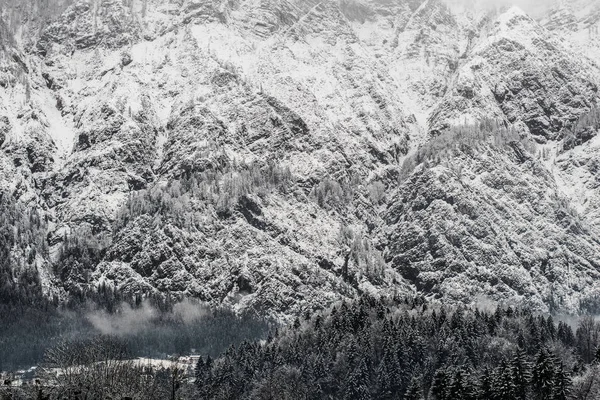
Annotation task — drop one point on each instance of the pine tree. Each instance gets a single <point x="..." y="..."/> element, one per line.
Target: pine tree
<point x="389" y="379"/>
<point x="457" y="387"/>
<point x="543" y="375"/>
<point x="562" y="383"/>
<point x="414" y="391"/>
<point x="439" y="385"/>
<point x="504" y="387"/>
<point x="485" y="391"/>
<point x="520" y="371"/>
<point x="202" y="372"/>
<point x="358" y="384"/>
<point x="565" y="334"/>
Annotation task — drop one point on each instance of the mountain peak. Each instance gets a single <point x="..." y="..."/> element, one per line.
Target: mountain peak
<point x="514" y="16"/>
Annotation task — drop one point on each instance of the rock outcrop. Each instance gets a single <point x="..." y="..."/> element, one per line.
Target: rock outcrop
<point x="280" y="155"/>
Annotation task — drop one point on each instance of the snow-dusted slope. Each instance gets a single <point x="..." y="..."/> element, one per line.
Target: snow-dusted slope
<point x="575" y="24"/>
<point x="254" y="153"/>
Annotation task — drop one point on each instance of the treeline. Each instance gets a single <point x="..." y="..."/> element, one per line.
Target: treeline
<point x="465" y="139"/>
<point x="374" y="349"/>
<point x="181" y="200"/>
<point x="186" y="201"/>
<point x="397" y="348"/>
<point x="22" y="247"/>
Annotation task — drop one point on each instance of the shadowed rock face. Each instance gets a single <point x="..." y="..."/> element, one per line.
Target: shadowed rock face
<point x="255" y="153"/>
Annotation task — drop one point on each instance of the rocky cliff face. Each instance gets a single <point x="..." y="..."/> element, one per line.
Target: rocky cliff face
<point x="281" y="155"/>
<point x="519" y="75"/>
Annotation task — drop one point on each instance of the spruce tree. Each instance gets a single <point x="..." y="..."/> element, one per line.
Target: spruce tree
<point x="562" y="383"/>
<point x="358" y="384"/>
<point x="457" y="389"/>
<point x="439" y="385"/>
<point x="520" y="372"/>
<point x="414" y="391"/>
<point x="565" y="334"/>
<point x="543" y="375"/>
<point x="485" y="390"/>
<point x="504" y="387"/>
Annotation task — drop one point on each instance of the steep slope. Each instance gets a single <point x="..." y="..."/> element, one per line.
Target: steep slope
<point x="485" y="211"/>
<point x="485" y="219"/>
<point x="155" y="107"/>
<point x="279" y="155"/>
<point x="516" y="73"/>
<point x="576" y="24"/>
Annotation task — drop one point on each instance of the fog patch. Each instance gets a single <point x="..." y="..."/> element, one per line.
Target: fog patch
<point x="485" y="304"/>
<point x="126" y="321"/>
<point x="574" y="321"/>
<point x="189" y="311"/>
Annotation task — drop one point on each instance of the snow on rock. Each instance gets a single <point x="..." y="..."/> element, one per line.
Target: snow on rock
<point x="517" y="73"/>
<point x="490" y="222"/>
<point x="110" y="102"/>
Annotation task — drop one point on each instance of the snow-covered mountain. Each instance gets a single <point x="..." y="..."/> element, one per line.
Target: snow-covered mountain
<point x="283" y="154"/>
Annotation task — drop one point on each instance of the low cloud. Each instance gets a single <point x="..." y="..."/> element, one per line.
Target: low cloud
<point x="189" y="311"/>
<point x="127" y="321"/>
<point x="130" y="321"/>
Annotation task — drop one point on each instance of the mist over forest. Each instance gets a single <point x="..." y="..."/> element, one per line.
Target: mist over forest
<point x="189" y="327"/>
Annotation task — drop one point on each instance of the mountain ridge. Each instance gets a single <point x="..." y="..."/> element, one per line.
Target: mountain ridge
<point x="282" y="155"/>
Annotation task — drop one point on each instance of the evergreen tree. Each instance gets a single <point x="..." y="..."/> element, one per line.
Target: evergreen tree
<point x="504" y="386"/>
<point x="485" y="391"/>
<point x="520" y="372"/>
<point x="199" y="371"/>
<point x="358" y="384"/>
<point x="389" y="375"/>
<point x="414" y="391"/>
<point x="543" y="375"/>
<point x="565" y="334"/>
<point x="457" y="390"/>
<point x="439" y="385"/>
<point x="562" y="383"/>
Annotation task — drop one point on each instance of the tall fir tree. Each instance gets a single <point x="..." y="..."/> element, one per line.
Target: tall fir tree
<point x="562" y="383"/>
<point x="543" y="375"/>
<point x="439" y="385"/>
<point x="414" y="390"/>
<point x="520" y="372"/>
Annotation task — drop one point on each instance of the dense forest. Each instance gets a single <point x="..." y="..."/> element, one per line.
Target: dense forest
<point x="374" y="349"/>
<point x="401" y="348"/>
